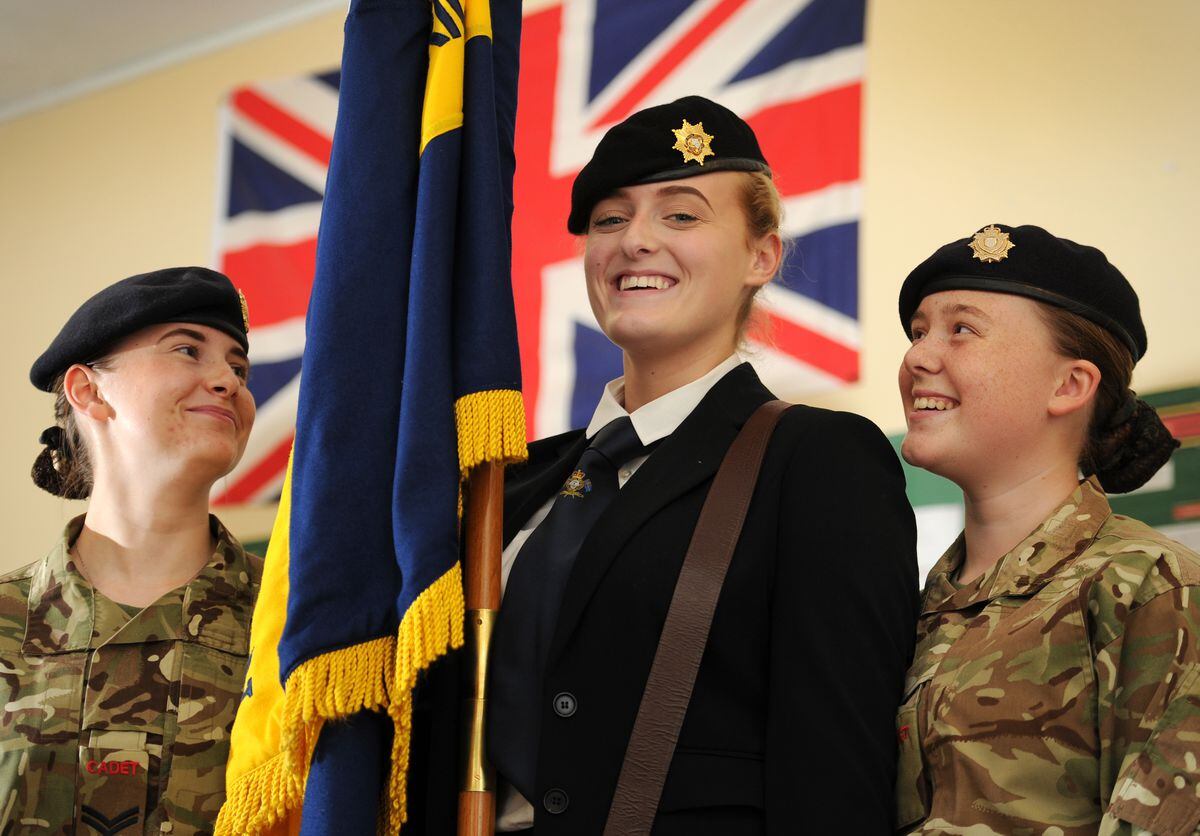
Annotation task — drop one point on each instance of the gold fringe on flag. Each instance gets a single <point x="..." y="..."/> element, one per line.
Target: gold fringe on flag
<point x="377" y="675"/>
<point x="491" y="428"/>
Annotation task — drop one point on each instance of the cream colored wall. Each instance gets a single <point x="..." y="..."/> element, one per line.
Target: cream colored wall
<point x="1077" y="115"/>
<point x="117" y="182"/>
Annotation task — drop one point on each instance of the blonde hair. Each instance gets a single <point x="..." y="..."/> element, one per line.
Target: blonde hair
<point x="764" y="215"/>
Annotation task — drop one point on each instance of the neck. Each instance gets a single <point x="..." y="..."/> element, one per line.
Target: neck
<point x="139" y="543"/>
<point x="648" y="378"/>
<point x="999" y="516"/>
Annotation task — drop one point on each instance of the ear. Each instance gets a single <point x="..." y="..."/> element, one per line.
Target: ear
<point x="1078" y="381"/>
<point x="766" y="254"/>
<point x="83" y="393"/>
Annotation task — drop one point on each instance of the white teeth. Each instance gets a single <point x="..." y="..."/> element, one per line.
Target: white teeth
<point x="933" y="403"/>
<point x="656" y="282"/>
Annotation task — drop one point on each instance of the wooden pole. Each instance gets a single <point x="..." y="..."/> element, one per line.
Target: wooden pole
<point x="484" y="528"/>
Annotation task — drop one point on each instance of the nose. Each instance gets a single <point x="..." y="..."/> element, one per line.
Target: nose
<point x="923" y="357"/>
<point x="223" y="380"/>
<point x="639" y="238"/>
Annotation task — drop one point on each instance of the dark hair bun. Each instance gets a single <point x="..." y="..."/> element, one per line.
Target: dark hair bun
<point x="1128" y="454"/>
<point x="49" y="466"/>
<point x="44" y="474"/>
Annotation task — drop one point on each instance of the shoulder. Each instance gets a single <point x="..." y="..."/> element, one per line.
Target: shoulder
<point x="236" y="556"/>
<point x="254" y="563"/>
<point x="802" y="418"/>
<point x="550" y="445"/>
<point x="543" y="452"/>
<point x="18" y="576"/>
<point x="1132" y="565"/>
<point x="14" y="604"/>
<point x="810" y="435"/>
<point x="1134" y="550"/>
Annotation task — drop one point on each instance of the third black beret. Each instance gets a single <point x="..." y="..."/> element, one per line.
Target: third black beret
<point x="1029" y="261"/>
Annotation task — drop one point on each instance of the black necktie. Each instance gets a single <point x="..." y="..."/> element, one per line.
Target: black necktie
<point x="532" y="596"/>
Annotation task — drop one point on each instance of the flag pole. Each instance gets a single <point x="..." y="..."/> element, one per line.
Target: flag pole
<point x="484" y="526"/>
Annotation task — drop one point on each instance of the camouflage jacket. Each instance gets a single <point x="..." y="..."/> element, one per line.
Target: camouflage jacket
<point x="1059" y="693"/>
<point x="118" y="723"/>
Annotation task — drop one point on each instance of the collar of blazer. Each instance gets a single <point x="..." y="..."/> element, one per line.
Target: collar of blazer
<point x="685" y="459"/>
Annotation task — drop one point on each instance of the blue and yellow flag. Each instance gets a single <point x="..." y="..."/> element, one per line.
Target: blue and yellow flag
<point x="410" y="378"/>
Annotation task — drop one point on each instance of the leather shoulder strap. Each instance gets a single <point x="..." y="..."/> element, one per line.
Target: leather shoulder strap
<point x="685" y="632"/>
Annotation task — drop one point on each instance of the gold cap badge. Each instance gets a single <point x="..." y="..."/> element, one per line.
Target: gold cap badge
<point x="245" y="311"/>
<point x="990" y="244"/>
<point x="693" y="142"/>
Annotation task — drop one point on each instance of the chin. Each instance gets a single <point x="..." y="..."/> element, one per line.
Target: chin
<point x="918" y="454"/>
<point x="214" y="462"/>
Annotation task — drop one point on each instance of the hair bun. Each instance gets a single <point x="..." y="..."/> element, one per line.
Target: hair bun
<point x="1133" y="450"/>
<point x="48" y="468"/>
<point x="45" y="474"/>
<point x="52" y="437"/>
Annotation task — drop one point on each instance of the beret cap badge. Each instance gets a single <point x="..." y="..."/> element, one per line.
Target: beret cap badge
<point x="245" y="311"/>
<point x="693" y="142"/>
<point x="991" y="244"/>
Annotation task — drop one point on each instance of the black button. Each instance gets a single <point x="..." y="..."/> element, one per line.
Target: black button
<point x="565" y="704"/>
<point x="555" y="801"/>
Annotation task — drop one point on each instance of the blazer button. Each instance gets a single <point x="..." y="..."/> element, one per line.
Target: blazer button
<point x="555" y="801"/>
<point x="565" y="704"/>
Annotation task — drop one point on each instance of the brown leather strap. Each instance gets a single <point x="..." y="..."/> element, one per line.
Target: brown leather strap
<point x="685" y="633"/>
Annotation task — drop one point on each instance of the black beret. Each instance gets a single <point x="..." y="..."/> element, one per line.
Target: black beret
<point x="687" y="137"/>
<point x="1029" y="261"/>
<point x="177" y="294"/>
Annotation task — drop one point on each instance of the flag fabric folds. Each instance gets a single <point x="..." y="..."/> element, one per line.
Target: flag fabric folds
<point x="410" y="378"/>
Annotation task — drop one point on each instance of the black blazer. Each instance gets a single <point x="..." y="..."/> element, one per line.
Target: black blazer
<point x="791" y="727"/>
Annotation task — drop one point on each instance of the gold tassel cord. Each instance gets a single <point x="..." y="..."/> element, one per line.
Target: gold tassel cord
<point x="491" y="428"/>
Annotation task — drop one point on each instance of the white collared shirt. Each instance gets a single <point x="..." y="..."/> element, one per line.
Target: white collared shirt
<point x="652" y="422"/>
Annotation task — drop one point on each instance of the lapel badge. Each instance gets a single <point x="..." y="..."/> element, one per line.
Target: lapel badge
<point x="693" y="142"/>
<point x="990" y="244"/>
<point x="245" y="311"/>
<point x="577" y="485"/>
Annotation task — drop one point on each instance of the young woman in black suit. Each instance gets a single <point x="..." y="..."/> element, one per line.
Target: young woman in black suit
<point x="790" y="728"/>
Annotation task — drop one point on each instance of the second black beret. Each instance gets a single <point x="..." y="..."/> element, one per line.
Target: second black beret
<point x="176" y="294"/>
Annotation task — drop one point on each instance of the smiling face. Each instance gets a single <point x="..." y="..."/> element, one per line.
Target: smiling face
<point x="669" y="266"/>
<point x="979" y="387"/>
<point x="174" y="395"/>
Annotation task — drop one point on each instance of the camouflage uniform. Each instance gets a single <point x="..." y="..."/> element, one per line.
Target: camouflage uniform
<point x="118" y="723"/>
<point x="1059" y="693"/>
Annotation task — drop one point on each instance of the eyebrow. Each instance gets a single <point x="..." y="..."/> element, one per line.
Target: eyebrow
<point x="667" y="191"/>
<point x="236" y="351"/>
<point x="953" y="310"/>
<point x="970" y="310"/>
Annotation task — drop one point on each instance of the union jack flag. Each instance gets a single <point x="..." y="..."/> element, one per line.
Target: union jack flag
<point x="275" y="144"/>
<point x="792" y="68"/>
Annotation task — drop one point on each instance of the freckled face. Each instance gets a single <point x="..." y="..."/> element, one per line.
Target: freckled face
<point x="178" y="394"/>
<point x="976" y="383"/>
<point x="669" y="265"/>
